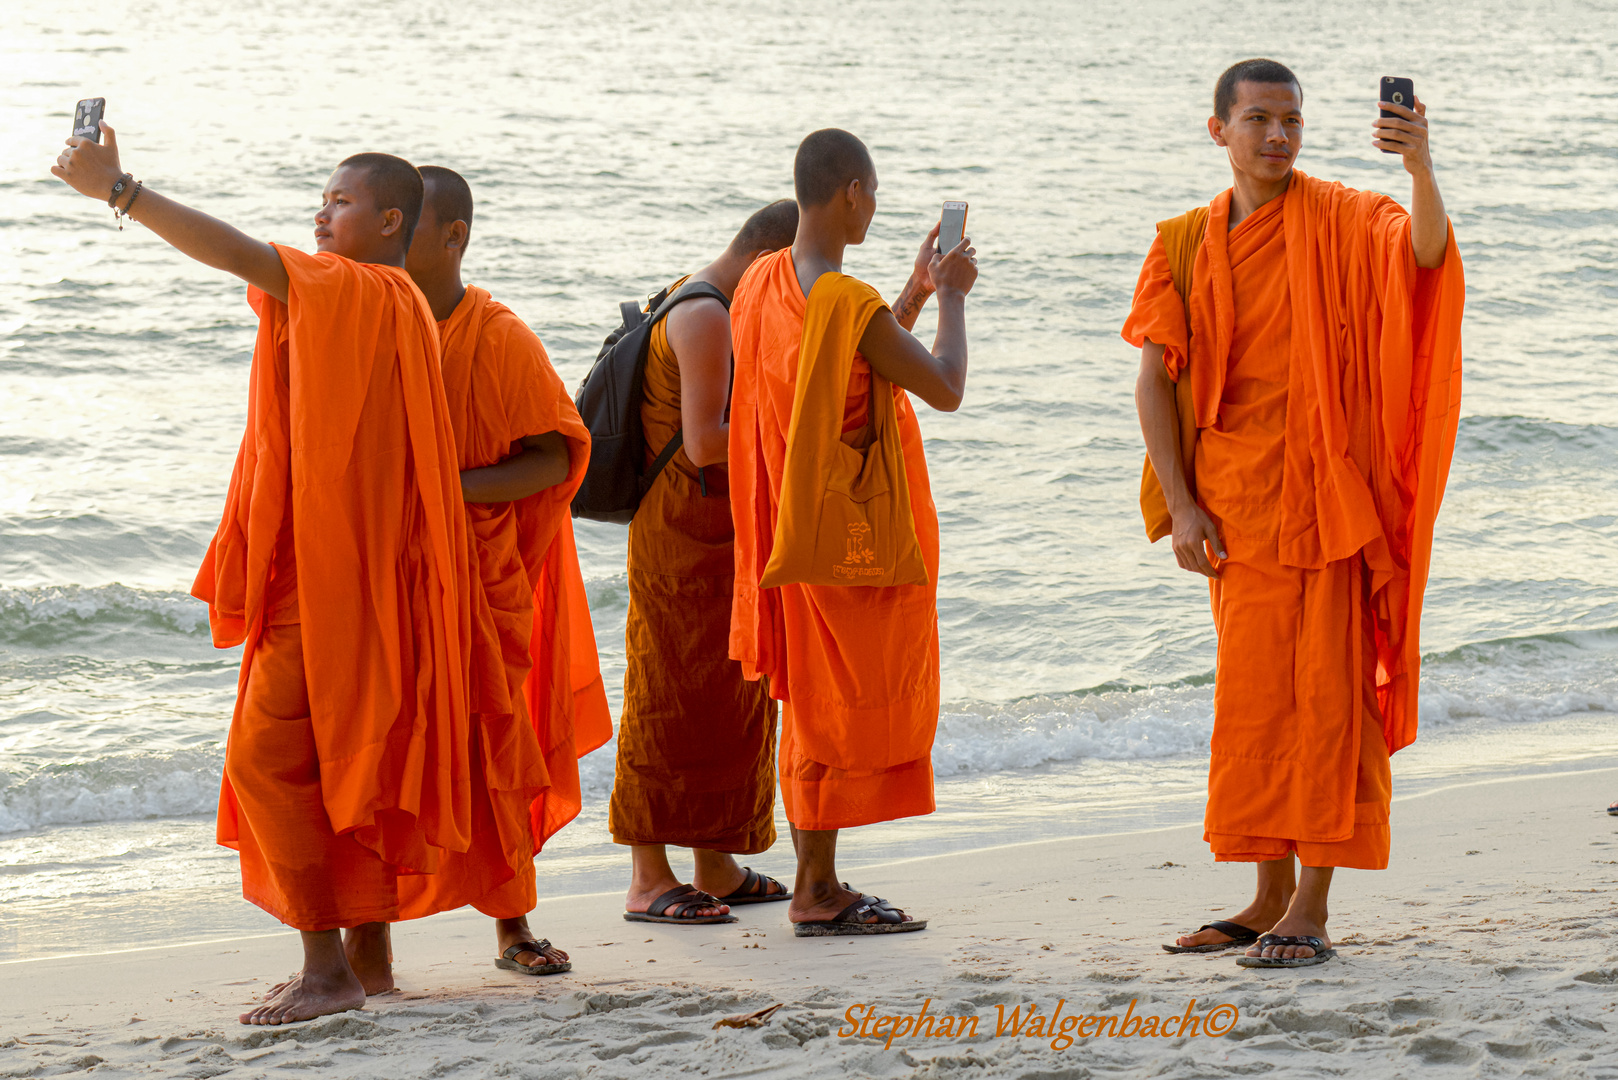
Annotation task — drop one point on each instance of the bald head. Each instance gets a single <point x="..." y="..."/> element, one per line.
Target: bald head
<point x="448" y="194"/>
<point x="769" y="229"/>
<point x="828" y="160"/>
<point x="393" y="183"/>
<point x="1254" y="71"/>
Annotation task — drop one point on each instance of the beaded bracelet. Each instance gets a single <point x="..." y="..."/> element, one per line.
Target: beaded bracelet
<point x="129" y="206"/>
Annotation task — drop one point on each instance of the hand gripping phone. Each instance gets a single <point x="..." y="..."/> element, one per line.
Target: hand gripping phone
<point x="1400" y="92"/>
<point x="951" y="226"/>
<point x="87" y="118"/>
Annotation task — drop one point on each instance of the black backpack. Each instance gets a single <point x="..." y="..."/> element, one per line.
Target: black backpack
<point x="609" y="401"/>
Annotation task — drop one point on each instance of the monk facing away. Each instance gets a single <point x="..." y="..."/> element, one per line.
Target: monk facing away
<point x="340" y="564"/>
<point x="537" y="699"/>
<point x="1299" y="391"/>
<point x="822" y="370"/>
<point x="696" y="740"/>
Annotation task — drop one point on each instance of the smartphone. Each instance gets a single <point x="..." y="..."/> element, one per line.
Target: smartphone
<point x="87" y="118"/>
<point x="951" y="226"/>
<point x="1400" y="92"/>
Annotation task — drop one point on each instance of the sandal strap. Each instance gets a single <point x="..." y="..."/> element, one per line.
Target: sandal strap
<point x="1234" y="931"/>
<point x="674" y="903"/>
<point x="1307" y="940"/>
<point x="754" y="884"/>
<point x="866" y="905"/>
<point x="536" y="947"/>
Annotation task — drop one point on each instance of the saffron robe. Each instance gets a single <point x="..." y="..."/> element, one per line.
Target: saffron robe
<point x="696" y="740"/>
<point x="340" y="565"/>
<point x="1325" y="380"/>
<point x="537" y="698"/>
<point x="855" y="668"/>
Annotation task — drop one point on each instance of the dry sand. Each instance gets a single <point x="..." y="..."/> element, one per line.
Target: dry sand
<point x="1489" y="948"/>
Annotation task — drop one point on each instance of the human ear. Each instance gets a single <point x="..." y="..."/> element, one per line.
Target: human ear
<point x="1216" y="130"/>
<point x="458" y="232"/>
<point x="392" y="221"/>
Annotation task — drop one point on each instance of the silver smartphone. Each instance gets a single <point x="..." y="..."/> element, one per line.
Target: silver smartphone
<point x="951" y="226"/>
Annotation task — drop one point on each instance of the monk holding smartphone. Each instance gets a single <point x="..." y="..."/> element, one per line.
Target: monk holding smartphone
<point x="1299" y="391"/>
<point x="341" y="567"/>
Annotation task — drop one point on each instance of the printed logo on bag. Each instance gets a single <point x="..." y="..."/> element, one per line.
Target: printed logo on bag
<point x="857" y="562"/>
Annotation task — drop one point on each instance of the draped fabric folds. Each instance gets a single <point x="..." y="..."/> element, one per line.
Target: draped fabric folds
<point x="341" y="564"/>
<point x="855" y="667"/>
<point x="1324" y="376"/>
<point x="696" y="740"/>
<point x="538" y="700"/>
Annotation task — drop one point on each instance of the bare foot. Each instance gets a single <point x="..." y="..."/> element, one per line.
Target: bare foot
<point x="369" y="949"/>
<point x="1254" y="916"/>
<point x="306" y="997"/>
<point x="1293" y="926"/>
<point x="509" y="932"/>
<point x="824" y="906"/>
<point x="643" y="893"/>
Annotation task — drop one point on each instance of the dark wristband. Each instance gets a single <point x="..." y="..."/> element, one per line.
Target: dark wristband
<point x="118" y="189"/>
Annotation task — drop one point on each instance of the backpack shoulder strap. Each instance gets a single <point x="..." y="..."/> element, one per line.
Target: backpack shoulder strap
<point x="661" y="307"/>
<point x="1182" y="236"/>
<point x="689" y="291"/>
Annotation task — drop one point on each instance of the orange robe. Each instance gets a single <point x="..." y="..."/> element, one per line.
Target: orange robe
<point x="538" y="701"/>
<point x="1325" y="380"/>
<point x="855" y="668"/>
<point x="340" y="562"/>
<point x="696" y="740"/>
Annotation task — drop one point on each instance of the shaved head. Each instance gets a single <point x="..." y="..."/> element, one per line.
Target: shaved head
<point x="1253" y="71"/>
<point x="394" y="184"/>
<point x="449" y="194"/>
<point x="828" y="160"/>
<point x="769" y="229"/>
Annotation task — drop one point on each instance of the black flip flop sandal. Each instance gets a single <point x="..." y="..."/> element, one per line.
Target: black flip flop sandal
<point x="850" y="921"/>
<point x="672" y="905"/>
<point x="1238" y="934"/>
<point x="1322" y="954"/>
<point x="749" y="890"/>
<point x="508" y="959"/>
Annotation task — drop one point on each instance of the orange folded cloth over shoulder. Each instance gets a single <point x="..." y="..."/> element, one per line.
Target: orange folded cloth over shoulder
<point x="855" y="667"/>
<point x="538" y="700"/>
<point x="845" y="513"/>
<point x="349" y="458"/>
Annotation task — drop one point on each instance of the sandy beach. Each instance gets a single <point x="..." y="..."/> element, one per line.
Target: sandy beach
<point x="1489" y="948"/>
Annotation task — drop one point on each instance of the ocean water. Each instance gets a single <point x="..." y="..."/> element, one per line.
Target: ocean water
<point x="613" y="147"/>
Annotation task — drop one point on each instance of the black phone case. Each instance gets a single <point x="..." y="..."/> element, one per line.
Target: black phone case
<point x="1400" y="92"/>
<point x="87" y="118"/>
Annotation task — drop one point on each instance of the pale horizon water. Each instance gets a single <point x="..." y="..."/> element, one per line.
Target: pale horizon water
<point x="612" y="148"/>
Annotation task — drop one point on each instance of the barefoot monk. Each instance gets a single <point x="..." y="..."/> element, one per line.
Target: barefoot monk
<point x="538" y="703"/>
<point x="696" y="741"/>
<point x="1298" y="392"/>
<point x="836" y="533"/>
<point x="340" y="565"/>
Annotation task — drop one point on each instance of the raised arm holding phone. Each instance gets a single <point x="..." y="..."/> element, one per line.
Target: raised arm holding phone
<point x="329" y="800"/>
<point x="1298" y="432"/>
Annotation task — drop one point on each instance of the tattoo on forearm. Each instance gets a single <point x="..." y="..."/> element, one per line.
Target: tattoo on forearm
<point x="911" y="300"/>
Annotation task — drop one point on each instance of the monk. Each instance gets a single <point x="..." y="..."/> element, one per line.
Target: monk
<point x="538" y="701"/>
<point x="1299" y="391"/>
<point x="854" y="666"/>
<point x="696" y="740"/>
<point x="339" y="565"/>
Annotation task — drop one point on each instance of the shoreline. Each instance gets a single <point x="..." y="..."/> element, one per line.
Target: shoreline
<point x="1490" y="939"/>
